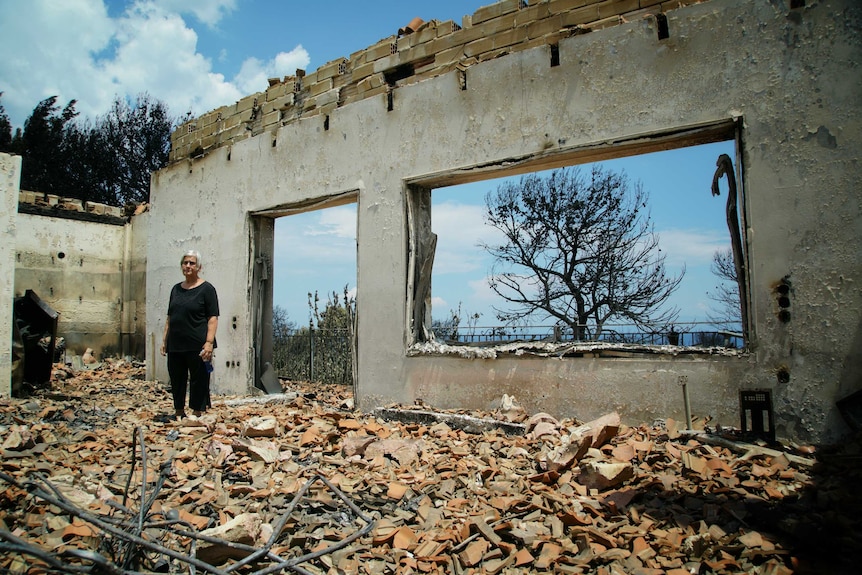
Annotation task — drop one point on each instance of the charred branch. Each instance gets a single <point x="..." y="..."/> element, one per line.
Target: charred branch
<point x="131" y="540"/>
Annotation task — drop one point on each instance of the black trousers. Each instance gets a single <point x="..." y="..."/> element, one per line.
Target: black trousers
<point x="186" y="370"/>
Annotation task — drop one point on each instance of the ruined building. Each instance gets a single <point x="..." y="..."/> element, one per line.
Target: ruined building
<point x="514" y="88"/>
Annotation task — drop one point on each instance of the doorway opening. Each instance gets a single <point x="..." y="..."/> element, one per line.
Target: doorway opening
<point x="307" y="309"/>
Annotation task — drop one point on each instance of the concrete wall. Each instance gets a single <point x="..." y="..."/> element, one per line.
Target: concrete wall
<point x="784" y="79"/>
<point x="85" y="260"/>
<point x="133" y="322"/>
<point x="88" y="263"/>
<point x="10" y="180"/>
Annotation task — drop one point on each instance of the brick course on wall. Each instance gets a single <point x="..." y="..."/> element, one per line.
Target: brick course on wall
<point x="434" y="49"/>
<point x="53" y="202"/>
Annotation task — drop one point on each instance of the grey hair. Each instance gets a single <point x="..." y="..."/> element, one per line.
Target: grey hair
<point x="195" y="254"/>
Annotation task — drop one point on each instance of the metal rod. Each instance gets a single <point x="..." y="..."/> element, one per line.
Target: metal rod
<point x="683" y="380"/>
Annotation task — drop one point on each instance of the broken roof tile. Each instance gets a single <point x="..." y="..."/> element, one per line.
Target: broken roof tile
<point x="645" y="499"/>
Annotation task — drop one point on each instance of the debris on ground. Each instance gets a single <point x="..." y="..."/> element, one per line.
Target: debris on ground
<point x="97" y="474"/>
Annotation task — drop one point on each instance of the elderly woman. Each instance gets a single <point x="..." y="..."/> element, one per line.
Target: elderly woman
<point x="190" y="336"/>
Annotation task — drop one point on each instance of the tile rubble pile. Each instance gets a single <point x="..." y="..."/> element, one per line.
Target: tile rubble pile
<point x="564" y="497"/>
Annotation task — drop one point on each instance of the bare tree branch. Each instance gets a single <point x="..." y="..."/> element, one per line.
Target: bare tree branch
<point x="727" y="313"/>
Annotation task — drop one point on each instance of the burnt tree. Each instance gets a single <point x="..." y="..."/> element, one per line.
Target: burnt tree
<point x="580" y="249"/>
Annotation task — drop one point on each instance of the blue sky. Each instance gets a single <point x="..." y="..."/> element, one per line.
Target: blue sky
<point x="690" y="222"/>
<point x="688" y="218"/>
<point x="193" y="54"/>
<point x="197" y="55"/>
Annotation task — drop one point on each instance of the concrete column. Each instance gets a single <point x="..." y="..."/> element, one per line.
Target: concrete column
<point x="10" y="182"/>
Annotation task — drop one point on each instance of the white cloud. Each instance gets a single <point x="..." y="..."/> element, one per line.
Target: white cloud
<point x="210" y="12"/>
<point x="481" y="292"/>
<point x="47" y="50"/>
<point x="461" y="223"/>
<point x="339" y="222"/>
<point x="156" y="53"/>
<point x="460" y="229"/>
<point x="314" y="251"/>
<point x="74" y="50"/>
<point x="691" y="247"/>
<point x="306" y="242"/>
<point x="453" y="261"/>
<point x="253" y="73"/>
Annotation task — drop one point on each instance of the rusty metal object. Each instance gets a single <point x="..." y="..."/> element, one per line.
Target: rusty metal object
<point x="36" y="323"/>
<point x="724" y="167"/>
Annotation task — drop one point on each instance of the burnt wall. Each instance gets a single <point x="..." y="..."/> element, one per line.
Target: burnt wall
<point x="779" y="77"/>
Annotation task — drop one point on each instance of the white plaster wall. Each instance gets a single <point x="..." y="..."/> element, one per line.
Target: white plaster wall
<point x="211" y="217"/>
<point x="10" y="180"/>
<point x="643" y="389"/>
<point x="791" y="77"/>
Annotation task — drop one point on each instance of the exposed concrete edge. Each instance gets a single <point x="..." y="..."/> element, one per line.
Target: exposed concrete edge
<point x="55" y="212"/>
<point x="456" y="421"/>
<point x="551" y="349"/>
<point x="272" y="398"/>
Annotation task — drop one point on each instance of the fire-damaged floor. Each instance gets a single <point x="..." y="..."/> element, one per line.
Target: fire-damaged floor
<point x="96" y="479"/>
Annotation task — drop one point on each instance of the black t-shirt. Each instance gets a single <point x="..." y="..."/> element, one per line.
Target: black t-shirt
<point x="188" y="313"/>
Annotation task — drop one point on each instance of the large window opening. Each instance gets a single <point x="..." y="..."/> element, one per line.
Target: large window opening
<point x="680" y="246"/>
<point x="314" y="294"/>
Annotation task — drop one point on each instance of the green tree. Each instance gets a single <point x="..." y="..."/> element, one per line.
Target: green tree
<point x="45" y="153"/>
<point x="130" y="142"/>
<point x="332" y="330"/>
<point x="580" y="249"/>
<point x="289" y="346"/>
<point x="108" y="160"/>
<point x="5" y="129"/>
<point x="91" y="171"/>
<point x="337" y="312"/>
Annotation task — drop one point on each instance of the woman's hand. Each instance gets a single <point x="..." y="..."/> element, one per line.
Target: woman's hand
<point x="207" y="351"/>
<point x="165" y="336"/>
